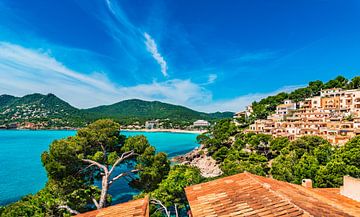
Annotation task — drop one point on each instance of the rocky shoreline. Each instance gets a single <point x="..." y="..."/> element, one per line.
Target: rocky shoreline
<point x="198" y="158"/>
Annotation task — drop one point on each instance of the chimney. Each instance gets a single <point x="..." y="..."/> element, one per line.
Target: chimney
<point x="351" y="188"/>
<point x="307" y="183"/>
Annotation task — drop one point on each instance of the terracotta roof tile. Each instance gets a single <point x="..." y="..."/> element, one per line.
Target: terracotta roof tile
<point x="134" y="208"/>
<point x="246" y="194"/>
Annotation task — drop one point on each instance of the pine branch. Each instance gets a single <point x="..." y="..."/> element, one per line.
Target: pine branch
<point x="71" y="211"/>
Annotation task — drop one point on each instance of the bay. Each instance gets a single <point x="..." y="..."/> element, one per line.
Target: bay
<point x="22" y="173"/>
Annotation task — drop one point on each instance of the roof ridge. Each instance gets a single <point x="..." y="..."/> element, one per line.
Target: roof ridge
<point x="324" y="199"/>
<point x="145" y="205"/>
<point x="267" y="186"/>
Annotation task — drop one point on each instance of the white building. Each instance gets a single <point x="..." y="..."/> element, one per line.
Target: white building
<point x="284" y="109"/>
<point x="151" y="124"/>
<point x="201" y="123"/>
<point x="333" y="92"/>
<point x="351" y="188"/>
<point x="248" y="111"/>
<point x="316" y="102"/>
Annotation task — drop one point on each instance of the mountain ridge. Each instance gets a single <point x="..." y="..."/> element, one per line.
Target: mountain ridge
<point x="141" y="108"/>
<point x="38" y="107"/>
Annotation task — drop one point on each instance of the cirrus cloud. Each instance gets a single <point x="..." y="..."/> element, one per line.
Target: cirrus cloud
<point x="153" y="49"/>
<point x="24" y="71"/>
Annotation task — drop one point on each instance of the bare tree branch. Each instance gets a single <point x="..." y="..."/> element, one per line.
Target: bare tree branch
<point x="96" y="164"/>
<point x="124" y="156"/>
<point x="85" y="168"/>
<point x="117" y="177"/>
<point x="71" y="211"/>
<point x="122" y="175"/>
<point x="158" y="209"/>
<point x="159" y="203"/>
<point x="96" y="203"/>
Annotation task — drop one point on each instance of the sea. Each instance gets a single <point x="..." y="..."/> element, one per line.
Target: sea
<point x="22" y="173"/>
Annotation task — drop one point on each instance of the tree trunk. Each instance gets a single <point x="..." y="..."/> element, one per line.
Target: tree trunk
<point x="104" y="190"/>
<point x="105" y="173"/>
<point x="176" y="211"/>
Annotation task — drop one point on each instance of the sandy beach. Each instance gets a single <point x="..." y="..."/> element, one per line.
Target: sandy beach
<point x="166" y="130"/>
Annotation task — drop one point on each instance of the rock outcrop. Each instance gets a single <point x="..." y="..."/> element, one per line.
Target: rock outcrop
<point x="198" y="158"/>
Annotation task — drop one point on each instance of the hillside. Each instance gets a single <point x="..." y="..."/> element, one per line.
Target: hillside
<point x="267" y="105"/>
<point x="144" y="110"/>
<point x="47" y="110"/>
<point x="6" y="100"/>
<point x="51" y="111"/>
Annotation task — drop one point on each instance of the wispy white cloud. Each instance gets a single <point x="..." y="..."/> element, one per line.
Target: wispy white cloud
<point x="152" y="48"/>
<point x="239" y="103"/>
<point x="16" y="57"/>
<point x="109" y="5"/>
<point x="255" y="56"/>
<point x="24" y="71"/>
<point x="130" y="38"/>
<point x="176" y="91"/>
<point x="211" y="79"/>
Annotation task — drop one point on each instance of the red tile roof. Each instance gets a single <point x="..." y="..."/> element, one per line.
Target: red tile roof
<point x="246" y="194"/>
<point x="134" y="208"/>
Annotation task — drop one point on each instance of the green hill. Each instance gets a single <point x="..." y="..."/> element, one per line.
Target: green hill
<point x="38" y="108"/>
<point x="54" y="112"/>
<point x="145" y="110"/>
<point x="6" y="100"/>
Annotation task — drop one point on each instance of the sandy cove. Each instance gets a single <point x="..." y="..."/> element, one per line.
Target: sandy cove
<point x="166" y="131"/>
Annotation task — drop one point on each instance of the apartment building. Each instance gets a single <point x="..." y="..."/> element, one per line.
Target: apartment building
<point x="330" y="103"/>
<point x="314" y="102"/>
<point x="284" y="109"/>
<point x="334" y="115"/>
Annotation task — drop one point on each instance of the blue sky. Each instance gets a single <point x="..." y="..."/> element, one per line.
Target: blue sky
<point x="208" y="55"/>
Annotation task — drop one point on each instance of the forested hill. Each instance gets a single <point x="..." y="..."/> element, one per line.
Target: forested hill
<point x="268" y="105"/>
<point x="49" y="108"/>
<point x="39" y="108"/>
<point x="144" y="110"/>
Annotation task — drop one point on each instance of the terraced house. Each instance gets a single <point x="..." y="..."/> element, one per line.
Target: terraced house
<point x="334" y="115"/>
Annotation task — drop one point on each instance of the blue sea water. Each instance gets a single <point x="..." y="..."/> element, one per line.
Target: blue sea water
<point x="21" y="171"/>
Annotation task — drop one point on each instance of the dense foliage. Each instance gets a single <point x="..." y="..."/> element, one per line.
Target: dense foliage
<point x="171" y="191"/>
<point x="74" y="164"/>
<point x="316" y="159"/>
<point x="309" y="157"/>
<point x="268" y="105"/>
<point x="221" y="135"/>
<point x="153" y="166"/>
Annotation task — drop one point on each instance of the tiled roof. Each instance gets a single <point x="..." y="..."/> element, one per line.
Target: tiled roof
<point x="246" y="194"/>
<point x="134" y="208"/>
<point x="285" y="105"/>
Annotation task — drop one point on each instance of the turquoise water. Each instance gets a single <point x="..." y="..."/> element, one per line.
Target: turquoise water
<point x="21" y="171"/>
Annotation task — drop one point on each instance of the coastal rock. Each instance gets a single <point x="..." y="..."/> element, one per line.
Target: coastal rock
<point x="207" y="165"/>
<point x="198" y="158"/>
